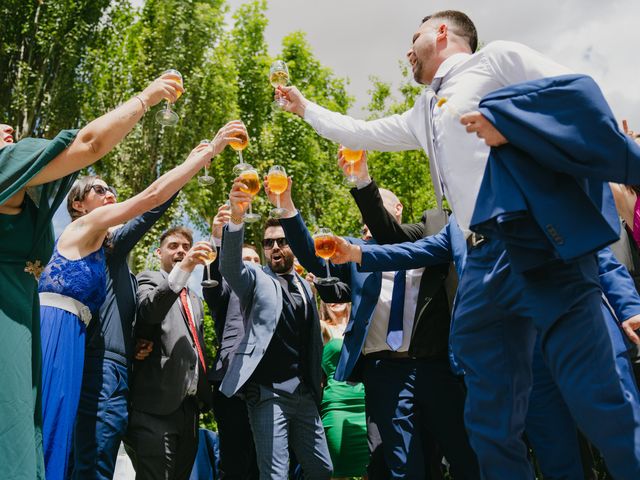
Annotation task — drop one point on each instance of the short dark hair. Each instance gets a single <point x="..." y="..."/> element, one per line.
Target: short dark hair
<point x="271" y="222"/>
<point x="179" y="230"/>
<point x="78" y="191"/>
<point x="463" y="26"/>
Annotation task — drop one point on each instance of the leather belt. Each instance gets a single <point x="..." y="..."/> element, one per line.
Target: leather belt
<point x="475" y="240"/>
<point x="386" y="355"/>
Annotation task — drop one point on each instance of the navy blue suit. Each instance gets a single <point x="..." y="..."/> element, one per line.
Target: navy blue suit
<point x="549" y="426"/>
<point x="404" y="396"/>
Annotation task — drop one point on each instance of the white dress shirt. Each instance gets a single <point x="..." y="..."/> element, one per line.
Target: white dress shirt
<point x="376" y="340"/>
<point x="459" y="158"/>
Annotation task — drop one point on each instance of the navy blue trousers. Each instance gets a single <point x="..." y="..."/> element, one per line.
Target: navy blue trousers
<point x="407" y="397"/>
<point x="496" y="317"/>
<point x="102" y="419"/>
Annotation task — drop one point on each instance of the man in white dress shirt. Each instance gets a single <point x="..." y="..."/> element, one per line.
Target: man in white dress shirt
<point x="498" y="310"/>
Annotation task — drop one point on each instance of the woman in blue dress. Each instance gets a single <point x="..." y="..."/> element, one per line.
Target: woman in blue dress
<point x="73" y="286"/>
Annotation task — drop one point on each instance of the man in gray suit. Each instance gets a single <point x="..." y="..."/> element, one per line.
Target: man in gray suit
<point x="277" y="363"/>
<point x="170" y="386"/>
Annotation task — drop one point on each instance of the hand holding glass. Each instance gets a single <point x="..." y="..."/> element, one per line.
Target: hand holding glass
<point x="252" y="181"/>
<point x="325" y="246"/>
<point x="166" y="116"/>
<point x="278" y="183"/>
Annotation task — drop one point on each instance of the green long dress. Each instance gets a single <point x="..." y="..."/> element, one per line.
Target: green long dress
<point x="343" y="417"/>
<point x="26" y="243"/>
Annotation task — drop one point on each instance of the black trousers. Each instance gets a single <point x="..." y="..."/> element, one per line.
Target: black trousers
<point x="164" y="446"/>
<point x="237" y="451"/>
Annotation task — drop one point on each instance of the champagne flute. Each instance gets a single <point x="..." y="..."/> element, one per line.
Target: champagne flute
<point x="278" y="183"/>
<point x="325" y="245"/>
<point x="250" y="178"/>
<point x="206" y="179"/>
<point x="211" y="256"/>
<point x="351" y="157"/>
<point x="279" y="77"/>
<point x="166" y="116"/>
<point x="239" y="146"/>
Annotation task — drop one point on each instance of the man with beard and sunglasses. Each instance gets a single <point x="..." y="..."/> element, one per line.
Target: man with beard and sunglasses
<point x="277" y="366"/>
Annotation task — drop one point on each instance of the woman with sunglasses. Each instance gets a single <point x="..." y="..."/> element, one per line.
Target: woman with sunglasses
<point x="73" y="286"/>
<point x="35" y="176"/>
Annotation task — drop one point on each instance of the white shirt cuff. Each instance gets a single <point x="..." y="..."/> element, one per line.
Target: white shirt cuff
<point x="178" y="278"/>
<point x="365" y="182"/>
<point x="234" y="227"/>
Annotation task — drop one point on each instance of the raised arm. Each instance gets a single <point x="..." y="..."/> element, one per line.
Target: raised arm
<point x="99" y="137"/>
<point x="383" y="226"/>
<point x="387" y="134"/>
<point x="299" y="237"/>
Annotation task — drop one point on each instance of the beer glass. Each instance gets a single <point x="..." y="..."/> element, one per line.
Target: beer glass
<point x="279" y="77"/>
<point x="239" y="146"/>
<point x="250" y="178"/>
<point x="351" y="157"/>
<point x="166" y="116"/>
<point x="325" y="245"/>
<point x="206" y="179"/>
<point x="211" y="256"/>
<point x="278" y="183"/>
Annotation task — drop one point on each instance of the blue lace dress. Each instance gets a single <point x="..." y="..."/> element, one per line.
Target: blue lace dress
<point x="63" y="341"/>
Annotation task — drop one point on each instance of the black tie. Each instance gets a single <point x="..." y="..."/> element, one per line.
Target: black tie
<point x="298" y="302"/>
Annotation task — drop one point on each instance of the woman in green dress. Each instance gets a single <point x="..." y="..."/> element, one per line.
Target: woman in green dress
<point x="342" y="407"/>
<point x="35" y="176"/>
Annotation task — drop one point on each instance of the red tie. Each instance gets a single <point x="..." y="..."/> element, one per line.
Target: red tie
<point x="192" y="327"/>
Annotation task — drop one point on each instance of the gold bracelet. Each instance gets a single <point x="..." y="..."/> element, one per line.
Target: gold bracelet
<point x="237" y="220"/>
<point x="144" y="105"/>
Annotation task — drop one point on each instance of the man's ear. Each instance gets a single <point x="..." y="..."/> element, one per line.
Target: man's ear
<point x="399" y="209"/>
<point x="443" y="32"/>
<point x="158" y="252"/>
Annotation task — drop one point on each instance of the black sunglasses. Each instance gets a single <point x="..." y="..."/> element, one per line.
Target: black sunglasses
<point x="267" y="243"/>
<point x="102" y="191"/>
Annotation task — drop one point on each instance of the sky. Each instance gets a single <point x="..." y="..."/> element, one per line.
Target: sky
<point x="360" y="38"/>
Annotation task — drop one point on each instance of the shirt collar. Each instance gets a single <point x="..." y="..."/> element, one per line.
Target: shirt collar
<point x="445" y="67"/>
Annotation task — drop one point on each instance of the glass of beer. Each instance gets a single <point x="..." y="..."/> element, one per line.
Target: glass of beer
<point x="206" y="179"/>
<point x="351" y="157"/>
<point x="325" y="245"/>
<point x="279" y="77"/>
<point x="250" y="178"/>
<point x="239" y="146"/>
<point x="210" y="258"/>
<point x="166" y="116"/>
<point x="278" y="183"/>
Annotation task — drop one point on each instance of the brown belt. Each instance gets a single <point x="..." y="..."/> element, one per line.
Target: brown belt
<point x="386" y="355"/>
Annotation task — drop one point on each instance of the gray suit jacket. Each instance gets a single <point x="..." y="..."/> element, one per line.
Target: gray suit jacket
<point x="261" y="300"/>
<point x="160" y="381"/>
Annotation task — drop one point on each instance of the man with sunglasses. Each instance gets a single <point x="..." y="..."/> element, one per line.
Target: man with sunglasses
<point x="277" y="364"/>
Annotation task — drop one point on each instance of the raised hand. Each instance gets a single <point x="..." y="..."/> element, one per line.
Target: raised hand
<point x="286" y="201"/>
<point x="161" y="88"/>
<point x="229" y="133"/>
<point x="195" y="256"/>
<point x="220" y="220"/>
<point x="346" y="252"/>
<point x="359" y="169"/>
<point x="296" y="103"/>
<point x="239" y="200"/>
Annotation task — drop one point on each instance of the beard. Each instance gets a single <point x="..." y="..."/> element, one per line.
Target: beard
<point x="283" y="264"/>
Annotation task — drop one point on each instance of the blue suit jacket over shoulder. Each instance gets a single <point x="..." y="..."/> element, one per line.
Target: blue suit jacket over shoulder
<point x="545" y="192"/>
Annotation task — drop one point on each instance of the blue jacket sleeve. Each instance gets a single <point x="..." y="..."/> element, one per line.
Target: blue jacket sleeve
<point x="126" y="237"/>
<point x="617" y="286"/>
<point x="302" y="247"/>
<point x="237" y="274"/>
<point x="432" y="250"/>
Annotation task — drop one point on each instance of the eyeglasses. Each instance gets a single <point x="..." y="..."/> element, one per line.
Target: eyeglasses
<point x="102" y="191"/>
<point x="268" y="243"/>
